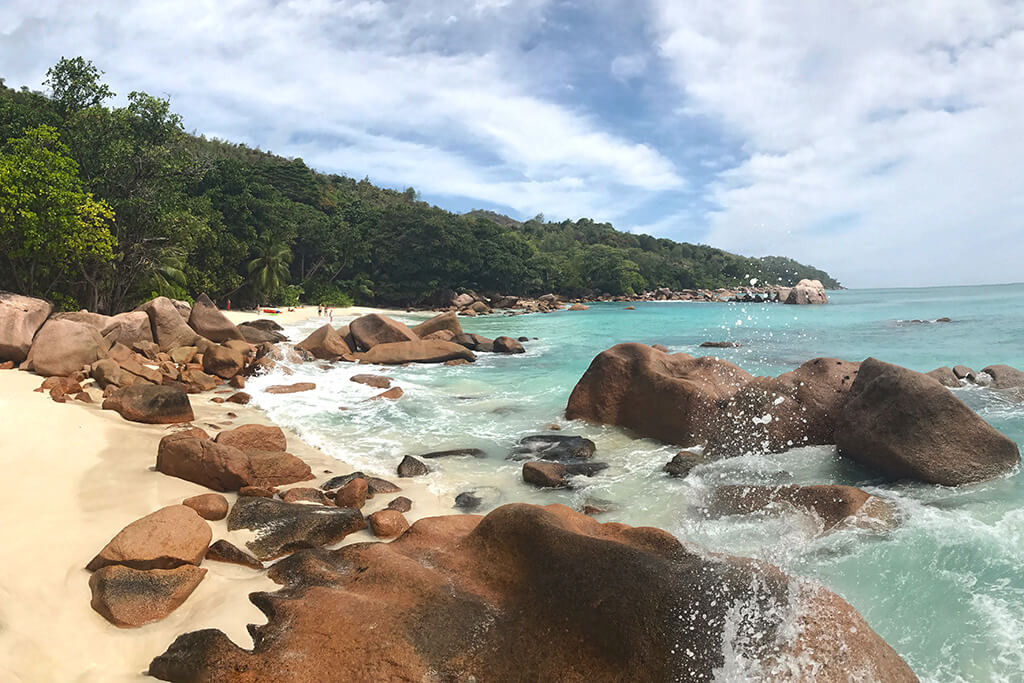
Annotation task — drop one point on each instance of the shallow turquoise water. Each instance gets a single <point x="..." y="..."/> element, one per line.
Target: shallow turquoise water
<point x="946" y="588"/>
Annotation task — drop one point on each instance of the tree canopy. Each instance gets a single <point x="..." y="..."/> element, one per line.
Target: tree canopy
<point x="107" y="206"/>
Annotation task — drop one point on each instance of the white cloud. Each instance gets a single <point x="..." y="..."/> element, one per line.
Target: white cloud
<point x="882" y="140"/>
<point x="381" y="83"/>
<point x="628" y="67"/>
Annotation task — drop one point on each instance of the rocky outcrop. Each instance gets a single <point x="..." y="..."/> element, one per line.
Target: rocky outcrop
<point x="373" y="329"/>
<point x="223" y="361"/>
<point x="832" y="504"/>
<point x="62" y="347"/>
<point x="226" y="468"/>
<point x="906" y="425"/>
<point x="20" y="319"/>
<point x="168" y="538"/>
<point x="130" y="598"/>
<point x="325" y="344"/>
<point x="207" y="320"/>
<point x="151" y="404"/>
<point x="807" y="292"/>
<point x="445" y="321"/>
<point x="620" y="599"/>
<point x="281" y="528"/>
<point x="671" y="397"/>
<point x="424" y="351"/>
<point x="167" y="325"/>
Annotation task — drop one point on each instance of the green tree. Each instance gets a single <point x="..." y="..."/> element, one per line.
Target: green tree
<point x="268" y="272"/>
<point x="75" y="85"/>
<point x="49" y="225"/>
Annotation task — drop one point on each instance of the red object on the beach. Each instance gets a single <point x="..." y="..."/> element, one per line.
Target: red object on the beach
<point x="229" y="304"/>
<point x="271" y="310"/>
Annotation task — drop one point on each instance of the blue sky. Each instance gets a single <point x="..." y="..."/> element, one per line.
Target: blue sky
<point x="880" y="141"/>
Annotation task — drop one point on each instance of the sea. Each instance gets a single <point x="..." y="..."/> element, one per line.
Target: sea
<point x="945" y="588"/>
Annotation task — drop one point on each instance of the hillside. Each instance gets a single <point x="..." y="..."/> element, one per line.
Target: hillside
<point x="105" y="207"/>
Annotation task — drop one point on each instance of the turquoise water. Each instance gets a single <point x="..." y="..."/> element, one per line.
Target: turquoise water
<point x="945" y="589"/>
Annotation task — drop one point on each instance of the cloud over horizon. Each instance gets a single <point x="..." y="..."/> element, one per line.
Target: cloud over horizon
<point x="877" y="141"/>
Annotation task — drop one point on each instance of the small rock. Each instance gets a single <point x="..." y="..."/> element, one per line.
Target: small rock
<point x="257" y="491"/>
<point x="291" y="388"/>
<point x="963" y="372"/>
<point x="401" y="504"/>
<point x="474" y="452"/>
<point x="684" y="461"/>
<point x="411" y="467"/>
<point x="240" y="398"/>
<point x="304" y="494"/>
<point x="555" y="447"/>
<point x="508" y="345"/>
<point x="720" y="345"/>
<point x="388" y="523"/>
<point x="210" y="506"/>
<point x="223" y="551"/>
<point x="376" y="381"/>
<point x="394" y="393"/>
<point x="353" y="494"/>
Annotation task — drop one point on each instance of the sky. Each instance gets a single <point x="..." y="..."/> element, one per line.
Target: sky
<point x="881" y="140"/>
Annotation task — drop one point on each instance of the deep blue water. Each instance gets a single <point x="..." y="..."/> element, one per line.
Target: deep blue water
<point x="945" y="588"/>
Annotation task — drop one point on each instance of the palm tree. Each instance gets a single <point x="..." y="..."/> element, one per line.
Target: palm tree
<point x="167" y="273"/>
<point x="270" y="269"/>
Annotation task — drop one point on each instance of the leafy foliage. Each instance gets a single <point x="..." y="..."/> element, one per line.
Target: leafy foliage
<point x="184" y="214"/>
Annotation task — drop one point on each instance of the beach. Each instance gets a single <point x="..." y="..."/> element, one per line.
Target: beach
<point x="77" y="475"/>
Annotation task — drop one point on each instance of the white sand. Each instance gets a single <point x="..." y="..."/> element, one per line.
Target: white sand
<point x="298" y="314"/>
<point x="76" y="475"/>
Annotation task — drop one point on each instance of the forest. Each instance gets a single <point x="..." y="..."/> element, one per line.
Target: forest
<point x="103" y="207"/>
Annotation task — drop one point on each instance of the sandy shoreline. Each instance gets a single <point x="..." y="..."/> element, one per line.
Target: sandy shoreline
<point x="80" y="475"/>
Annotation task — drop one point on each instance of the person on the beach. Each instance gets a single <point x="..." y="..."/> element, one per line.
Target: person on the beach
<point x="319" y="309"/>
<point x="229" y="304"/>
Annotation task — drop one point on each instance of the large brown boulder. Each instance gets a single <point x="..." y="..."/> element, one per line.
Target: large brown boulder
<point x="62" y="347"/>
<point x="168" y="538"/>
<point x="129" y="328"/>
<point x="281" y="528"/>
<point x="424" y="351"/>
<point x="225" y="468"/>
<point x="508" y="345"/>
<point x="223" y="361"/>
<point x="832" y="504"/>
<point x="326" y="344"/>
<point x="151" y="404"/>
<point x="254" y="437"/>
<point x="906" y="425"/>
<point x="671" y="397"/>
<point x="20" y="319"/>
<point x="130" y="598"/>
<point x="373" y="329"/>
<point x="167" y="325"/>
<point x="1005" y="376"/>
<point x="445" y="321"/>
<point x="807" y="292"/>
<point x="207" y="320"/>
<point x="771" y="415"/>
<point x="563" y="597"/>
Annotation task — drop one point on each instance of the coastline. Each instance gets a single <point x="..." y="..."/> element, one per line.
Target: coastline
<point x="80" y="475"/>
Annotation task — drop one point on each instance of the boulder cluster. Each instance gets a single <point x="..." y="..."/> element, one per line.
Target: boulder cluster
<point x="897" y="422"/>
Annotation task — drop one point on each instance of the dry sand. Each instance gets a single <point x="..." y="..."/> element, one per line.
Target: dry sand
<point x="290" y="316"/>
<point x="75" y="476"/>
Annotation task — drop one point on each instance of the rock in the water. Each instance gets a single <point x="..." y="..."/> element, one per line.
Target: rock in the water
<point x="290" y="388"/>
<point x="151" y="404"/>
<point x="168" y="538"/>
<point x="325" y="344"/>
<point x="555" y="447"/>
<point x="388" y="523"/>
<point x="20" y="319"/>
<point x="508" y="345"/>
<point x="376" y="381"/>
<point x="1005" y="377"/>
<point x="474" y="342"/>
<point x="62" y="347"/>
<point x="454" y="452"/>
<point x="546" y="474"/>
<point x="620" y="600"/>
<point x="578" y="307"/>
<point x="373" y="329"/>
<point x="211" y="506"/>
<point x="416" y="352"/>
<point x="670" y="397"/>
<point x="169" y="329"/>
<point x="226" y="468"/>
<point x="254" y="437"/>
<point x="807" y="292"/>
<point x="223" y="551"/>
<point x="445" y="321"/>
<point x="411" y="467"/>
<point x="906" y="425"/>
<point x="963" y="372"/>
<point x="282" y="528"/>
<point x="684" y="461"/>
<point x="945" y="377"/>
<point x="207" y="320"/>
<point x="720" y="345"/>
<point x="392" y="394"/>
<point x="130" y="598"/>
<point x="353" y="494"/>
<point x="475" y="499"/>
<point x="833" y="504"/>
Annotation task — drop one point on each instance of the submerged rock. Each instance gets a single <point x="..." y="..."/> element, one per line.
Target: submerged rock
<point x="290" y="388"/>
<point x="554" y="447"/>
<point x="282" y="528"/>
<point x="624" y="602"/>
<point x="833" y="504"/>
<point x="906" y="425"/>
<point x="376" y="381"/>
<point x="454" y="452"/>
<point x="411" y="467"/>
<point x="684" y="461"/>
